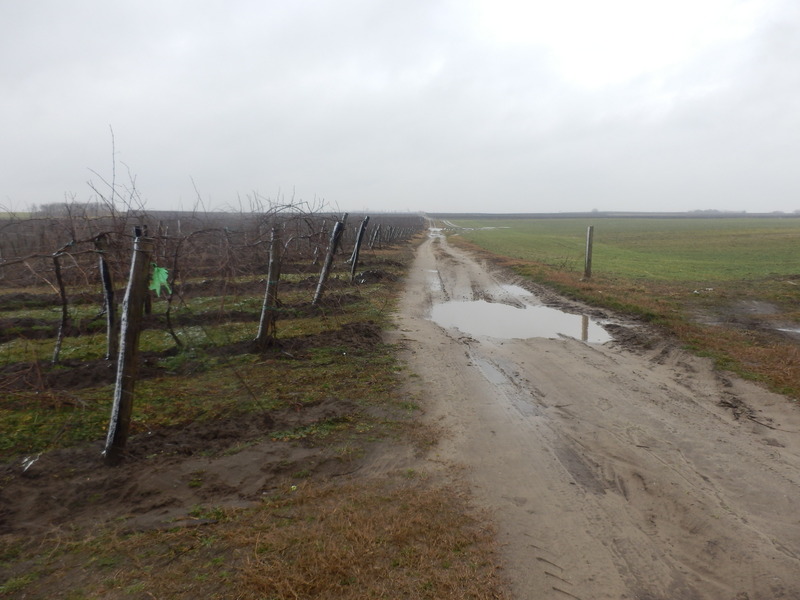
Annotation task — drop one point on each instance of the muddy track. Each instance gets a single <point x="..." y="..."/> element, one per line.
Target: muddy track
<point x="611" y="471"/>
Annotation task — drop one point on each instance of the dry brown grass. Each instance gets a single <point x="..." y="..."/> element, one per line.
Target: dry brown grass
<point x="376" y="541"/>
<point x="752" y="354"/>
<point x="393" y="537"/>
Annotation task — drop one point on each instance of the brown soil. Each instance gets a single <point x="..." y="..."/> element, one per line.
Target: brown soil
<point x="630" y="469"/>
<point x="166" y="473"/>
<point x="759" y="317"/>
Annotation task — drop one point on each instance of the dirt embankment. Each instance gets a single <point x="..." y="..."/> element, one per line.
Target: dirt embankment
<point x="621" y="470"/>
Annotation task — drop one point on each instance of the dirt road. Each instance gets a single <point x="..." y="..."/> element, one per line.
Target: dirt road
<point x="611" y="470"/>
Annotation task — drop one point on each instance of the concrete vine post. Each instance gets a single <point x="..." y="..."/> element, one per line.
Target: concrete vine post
<point x="357" y="248"/>
<point x="266" y="327"/>
<point x="376" y="236"/>
<point x="336" y="236"/>
<point x="130" y="326"/>
<point x="101" y="247"/>
<point x="587" y="269"/>
<point x="62" y="294"/>
<point x="321" y="236"/>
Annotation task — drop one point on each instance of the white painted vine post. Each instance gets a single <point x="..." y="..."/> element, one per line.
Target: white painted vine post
<point x="130" y="325"/>
<point x="587" y="269"/>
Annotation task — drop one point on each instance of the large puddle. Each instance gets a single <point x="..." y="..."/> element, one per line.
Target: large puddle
<point x="498" y="320"/>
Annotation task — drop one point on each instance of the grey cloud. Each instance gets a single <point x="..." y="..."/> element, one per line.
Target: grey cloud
<point x="382" y="104"/>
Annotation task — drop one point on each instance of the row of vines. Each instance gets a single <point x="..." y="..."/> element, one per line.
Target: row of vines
<point x="215" y="283"/>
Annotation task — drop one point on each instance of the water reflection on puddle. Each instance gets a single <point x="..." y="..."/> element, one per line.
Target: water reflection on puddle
<point x="493" y="319"/>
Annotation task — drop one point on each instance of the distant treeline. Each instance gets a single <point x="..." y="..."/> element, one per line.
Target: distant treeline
<point x="71" y="209"/>
<point x="695" y="214"/>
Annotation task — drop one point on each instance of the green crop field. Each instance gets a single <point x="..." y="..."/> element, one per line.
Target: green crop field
<point x="725" y="287"/>
<point x="667" y="249"/>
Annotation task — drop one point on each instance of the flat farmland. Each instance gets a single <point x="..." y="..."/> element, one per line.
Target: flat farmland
<point x="727" y="288"/>
<point x="678" y="250"/>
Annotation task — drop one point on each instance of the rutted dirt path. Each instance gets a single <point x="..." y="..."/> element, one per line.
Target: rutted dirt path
<point x="611" y="471"/>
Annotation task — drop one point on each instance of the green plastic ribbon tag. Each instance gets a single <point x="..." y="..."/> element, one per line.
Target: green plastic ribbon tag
<point x="159" y="278"/>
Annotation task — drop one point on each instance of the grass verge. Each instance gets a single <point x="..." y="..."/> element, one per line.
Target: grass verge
<point x="705" y="299"/>
<point x="388" y="537"/>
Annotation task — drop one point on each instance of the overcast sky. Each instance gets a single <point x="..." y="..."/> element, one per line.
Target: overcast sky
<point x="420" y="105"/>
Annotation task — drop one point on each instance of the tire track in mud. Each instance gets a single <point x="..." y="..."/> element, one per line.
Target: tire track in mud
<point x="611" y="472"/>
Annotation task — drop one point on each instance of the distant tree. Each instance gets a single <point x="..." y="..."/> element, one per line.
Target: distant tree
<point x="71" y="209"/>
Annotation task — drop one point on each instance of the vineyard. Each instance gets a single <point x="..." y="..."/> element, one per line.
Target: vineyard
<point x="262" y="412"/>
<point x="208" y="303"/>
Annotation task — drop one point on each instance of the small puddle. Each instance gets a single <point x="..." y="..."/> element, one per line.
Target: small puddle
<point x="517" y="290"/>
<point x="493" y="319"/>
<point x="791" y="330"/>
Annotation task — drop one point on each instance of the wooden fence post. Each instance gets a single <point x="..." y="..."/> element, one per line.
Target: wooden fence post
<point x="587" y="269"/>
<point x="132" y="307"/>
<point x="266" y="326"/>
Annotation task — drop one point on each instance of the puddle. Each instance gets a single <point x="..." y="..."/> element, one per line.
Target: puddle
<point x="493" y="319"/>
<point x="434" y="281"/>
<point x="789" y="330"/>
<point x="516" y="290"/>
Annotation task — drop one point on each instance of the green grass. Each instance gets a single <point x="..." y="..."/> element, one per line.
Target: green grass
<point x="693" y="250"/>
<point x="213" y="329"/>
<point x="35" y="421"/>
<point x="679" y="274"/>
<point x="200" y="382"/>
